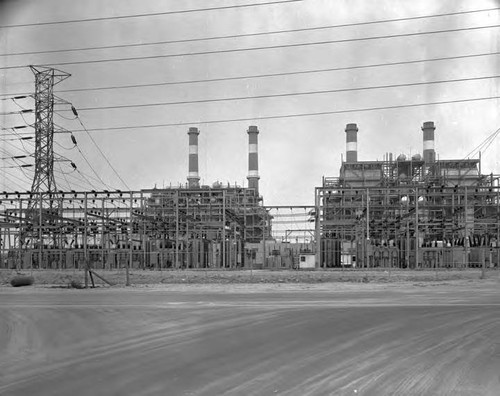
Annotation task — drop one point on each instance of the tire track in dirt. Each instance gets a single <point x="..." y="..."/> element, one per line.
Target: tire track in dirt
<point x="220" y="346"/>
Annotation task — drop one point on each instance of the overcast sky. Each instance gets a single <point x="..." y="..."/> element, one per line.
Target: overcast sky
<point x="294" y="153"/>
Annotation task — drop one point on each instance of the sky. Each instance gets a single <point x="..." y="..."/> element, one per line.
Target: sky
<point x="294" y="152"/>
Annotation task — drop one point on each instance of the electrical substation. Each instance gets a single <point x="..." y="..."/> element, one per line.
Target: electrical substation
<point x="401" y="212"/>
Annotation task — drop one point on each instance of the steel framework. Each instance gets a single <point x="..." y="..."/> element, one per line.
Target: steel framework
<point x="43" y="180"/>
<point x="409" y="215"/>
<point x="43" y="204"/>
<point x="155" y="228"/>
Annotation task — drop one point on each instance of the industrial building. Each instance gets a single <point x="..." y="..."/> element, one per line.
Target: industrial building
<point x="407" y="212"/>
<point x="189" y="226"/>
<point x="402" y="212"/>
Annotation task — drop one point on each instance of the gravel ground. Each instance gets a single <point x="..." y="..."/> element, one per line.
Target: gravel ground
<point x="139" y="278"/>
<point x="336" y="338"/>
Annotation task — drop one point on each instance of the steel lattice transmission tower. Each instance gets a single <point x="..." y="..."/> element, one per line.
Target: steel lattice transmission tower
<point x="45" y="79"/>
<point x="44" y="203"/>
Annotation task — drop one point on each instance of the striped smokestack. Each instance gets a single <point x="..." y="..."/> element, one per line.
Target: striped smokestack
<point x="193" y="177"/>
<point x="429" y="153"/>
<point x="253" y="158"/>
<point x="351" y="142"/>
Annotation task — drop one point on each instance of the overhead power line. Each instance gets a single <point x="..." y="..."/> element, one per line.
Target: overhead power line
<point x="260" y="48"/>
<point x="251" y="76"/>
<point x="152" y="14"/>
<point x="484" y="145"/>
<point x="288" y="94"/>
<point x="99" y="149"/>
<point x="232" y="36"/>
<point x="7" y="178"/>
<point x="91" y="167"/>
<point x="295" y="115"/>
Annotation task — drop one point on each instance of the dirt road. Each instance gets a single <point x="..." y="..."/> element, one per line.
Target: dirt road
<point x="341" y="340"/>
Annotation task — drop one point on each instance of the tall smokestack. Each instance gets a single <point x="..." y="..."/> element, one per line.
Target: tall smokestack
<point x="351" y="142"/>
<point x="193" y="177"/>
<point x="253" y="158"/>
<point x="429" y="153"/>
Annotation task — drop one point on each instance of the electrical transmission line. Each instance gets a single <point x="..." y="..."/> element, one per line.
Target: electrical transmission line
<point x="279" y="95"/>
<point x="259" y="48"/>
<point x="271" y="117"/>
<point x="242" y="35"/>
<point x="152" y="14"/>
<point x="484" y="145"/>
<point x="267" y="75"/>
<point x="294" y="115"/>
<point x="97" y="146"/>
<point x="289" y="94"/>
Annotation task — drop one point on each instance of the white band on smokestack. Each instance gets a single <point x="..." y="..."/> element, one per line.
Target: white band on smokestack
<point x="428" y="145"/>
<point x="351" y="146"/>
<point x="253" y="158"/>
<point x="193" y="176"/>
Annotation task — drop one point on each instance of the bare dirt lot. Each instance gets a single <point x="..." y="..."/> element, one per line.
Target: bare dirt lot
<point x="409" y="337"/>
<point x="141" y="278"/>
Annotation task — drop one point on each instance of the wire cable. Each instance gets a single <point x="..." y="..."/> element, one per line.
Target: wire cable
<point x="232" y="36"/>
<point x="16" y="166"/>
<point x="288" y="94"/>
<point x="260" y="48"/>
<point x="99" y="149"/>
<point x="285" y="116"/>
<point x="4" y="172"/>
<point x="63" y="147"/>
<point x="152" y="14"/>
<point x="298" y="72"/>
<point x="90" y="166"/>
<point x="16" y="96"/>
<point x="64" y="176"/>
<point x="85" y="178"/>
<point x="66" y="118"/>
<point x="17" y="148"/>
<point x="23" y="166"/>
<point x="485" y="144"/>
<point x="284" y="73"/>
<point x="78" y="179"/>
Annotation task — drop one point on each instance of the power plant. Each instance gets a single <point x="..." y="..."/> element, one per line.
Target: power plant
<point x="407" y="212"/>
<point x="415" y="212"/>
<point x="401" y="212"/>
<point x="190" y="226"/>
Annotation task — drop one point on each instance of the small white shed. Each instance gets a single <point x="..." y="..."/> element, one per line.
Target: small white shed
<point x="307" y="261"/>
